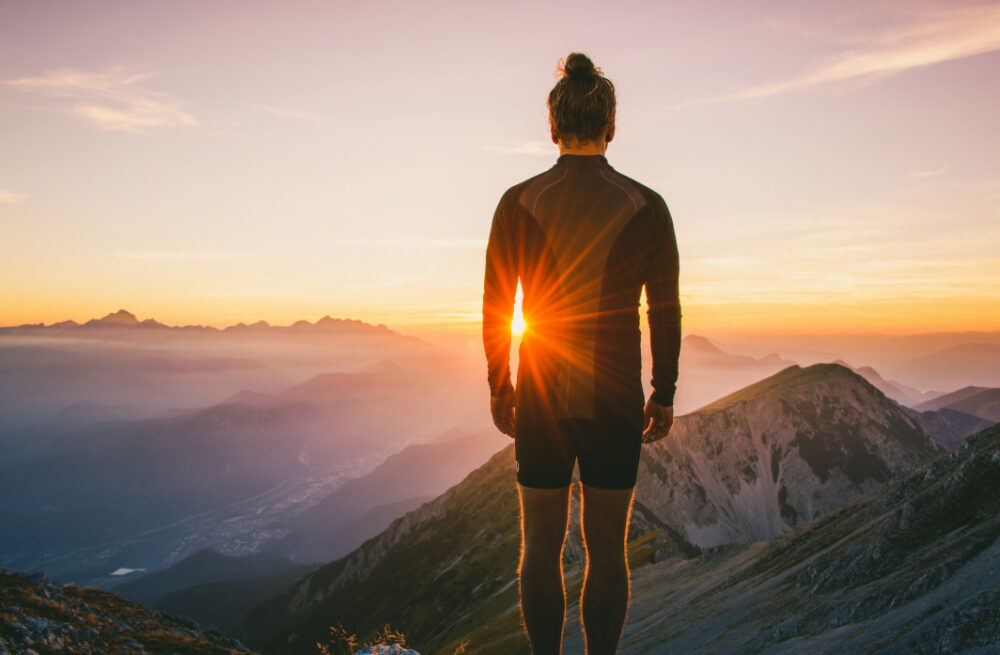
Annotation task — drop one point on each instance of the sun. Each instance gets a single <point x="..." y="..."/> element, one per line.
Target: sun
<point x="517" y="324"/>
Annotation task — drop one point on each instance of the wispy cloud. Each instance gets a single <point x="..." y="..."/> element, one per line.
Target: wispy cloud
<point x="943" y="170"/>
<point x="113" y="100"/>
<point x="931" y="37"/>
<point x="531" y="148"/>
<point x="295" y="114"/>
<point x="11" y="198"/>
<point x="174" y="255"/>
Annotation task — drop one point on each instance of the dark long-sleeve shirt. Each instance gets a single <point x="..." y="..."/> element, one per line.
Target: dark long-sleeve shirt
<point x="584" y="240"/>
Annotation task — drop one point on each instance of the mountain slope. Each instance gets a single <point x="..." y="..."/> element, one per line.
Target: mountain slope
<point x="207" y="566"/>
<point x="46" y="617"/>
<point x="777" y="454"/>
<point x="948" y="427"/>
<point x="419" y="470"/>
<point x="913" y="567"/>
<point x="473" y="524"/>
<point x="898" y="391"/>
<point x="983" y="402"/>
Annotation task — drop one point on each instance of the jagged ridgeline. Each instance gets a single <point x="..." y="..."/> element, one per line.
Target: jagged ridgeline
<point x="751" y="466"/>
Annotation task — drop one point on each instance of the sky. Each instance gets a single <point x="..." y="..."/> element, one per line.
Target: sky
<point x="829" y="167"/>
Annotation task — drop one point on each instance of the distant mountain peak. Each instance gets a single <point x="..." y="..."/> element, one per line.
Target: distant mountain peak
<point x="701" y="344"/>
<point x="121" y="317"/>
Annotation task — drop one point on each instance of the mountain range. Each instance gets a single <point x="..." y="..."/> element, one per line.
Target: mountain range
<point x="768" y="461"/>
<point x="145" y="493"/>
<point x="809" y="488"/>
<point x="123" y="319"/>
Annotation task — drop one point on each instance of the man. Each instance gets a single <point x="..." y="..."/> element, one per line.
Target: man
<point x="584" y="240"/>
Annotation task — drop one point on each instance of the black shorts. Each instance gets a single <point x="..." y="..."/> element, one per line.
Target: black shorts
<point x="608" y="453"/>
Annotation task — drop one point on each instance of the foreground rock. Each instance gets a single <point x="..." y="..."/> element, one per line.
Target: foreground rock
<point x="38" y="615"/>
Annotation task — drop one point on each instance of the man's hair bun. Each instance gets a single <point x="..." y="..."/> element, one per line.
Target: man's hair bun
<point x="582" y="103"/>
<point x="579" y="67"/>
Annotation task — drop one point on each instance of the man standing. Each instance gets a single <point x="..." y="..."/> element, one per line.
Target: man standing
<point x="584" y="240"/>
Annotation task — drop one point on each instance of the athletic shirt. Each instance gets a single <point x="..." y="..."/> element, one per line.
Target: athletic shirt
<point x="583" y="239"/>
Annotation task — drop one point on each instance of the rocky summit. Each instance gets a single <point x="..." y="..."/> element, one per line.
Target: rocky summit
<point x="778" y="454"/>
<point x="40" y="616"/>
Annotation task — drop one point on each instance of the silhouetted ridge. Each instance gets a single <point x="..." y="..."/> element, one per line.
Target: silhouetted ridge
<point x="125" y="319"/>
<point x="785" y="379"/>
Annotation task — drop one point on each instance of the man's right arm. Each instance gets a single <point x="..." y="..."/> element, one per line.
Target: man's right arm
<point x="499" y="288"/>
<point x="664" y="308"/>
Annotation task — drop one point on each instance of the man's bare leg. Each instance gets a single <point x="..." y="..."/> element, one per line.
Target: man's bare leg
<point x="544" y="514"/>
<point x="605" y="586"/>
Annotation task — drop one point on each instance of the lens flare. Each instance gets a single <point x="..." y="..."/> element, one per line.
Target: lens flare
<point x="518" y="324"/>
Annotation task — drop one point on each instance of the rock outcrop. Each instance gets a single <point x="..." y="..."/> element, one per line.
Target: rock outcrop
<point x="40" y="616"/>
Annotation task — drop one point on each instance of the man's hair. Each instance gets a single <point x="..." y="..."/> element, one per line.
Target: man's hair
<point x="582" y="103"/>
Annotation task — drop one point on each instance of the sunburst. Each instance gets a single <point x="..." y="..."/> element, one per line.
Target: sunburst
<point x="517" y="323"/>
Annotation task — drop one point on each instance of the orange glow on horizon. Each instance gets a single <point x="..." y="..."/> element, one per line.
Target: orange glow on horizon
<point x="907" y="315"/>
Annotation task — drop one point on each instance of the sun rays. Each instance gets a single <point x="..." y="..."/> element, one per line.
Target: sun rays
<point x="517" y="324"/>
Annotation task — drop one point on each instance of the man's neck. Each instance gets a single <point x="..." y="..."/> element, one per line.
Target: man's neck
<point x="585" y="148"/>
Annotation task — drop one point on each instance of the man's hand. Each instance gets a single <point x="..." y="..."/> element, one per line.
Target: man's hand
<point x="502" y="408"/>
<point x="658" y="419"/>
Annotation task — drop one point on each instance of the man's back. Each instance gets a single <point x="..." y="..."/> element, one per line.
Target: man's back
<point x="583" y="239"/>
